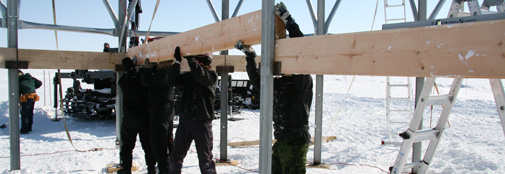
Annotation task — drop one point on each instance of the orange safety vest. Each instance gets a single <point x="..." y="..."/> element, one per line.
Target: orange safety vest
<point x="25" y="97"/>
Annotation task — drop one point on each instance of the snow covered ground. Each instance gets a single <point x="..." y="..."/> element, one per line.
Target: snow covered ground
<point x="474" y="142"/>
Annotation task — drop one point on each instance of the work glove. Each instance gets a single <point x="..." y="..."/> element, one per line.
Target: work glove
<point x="247" y="49"/>
<point x="177" y="54"/>
<point x="281" y="11"/>
<point x="148" y="64"/>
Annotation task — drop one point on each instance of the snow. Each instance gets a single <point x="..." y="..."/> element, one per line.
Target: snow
<point x="356" y="115"/>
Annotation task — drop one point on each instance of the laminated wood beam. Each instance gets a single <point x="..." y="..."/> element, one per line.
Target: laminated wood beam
<point x="470" y="50"/>
<point x="46" y="59"/>
<point x="211" y="38"/>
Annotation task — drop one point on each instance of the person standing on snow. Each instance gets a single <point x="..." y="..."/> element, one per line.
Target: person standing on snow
<point x="197" y="111"/>
<point x="27" y="99"/>
<point x="135" y="118"/>
<point x="291" y="108"/>
<point x="157" y="78"/>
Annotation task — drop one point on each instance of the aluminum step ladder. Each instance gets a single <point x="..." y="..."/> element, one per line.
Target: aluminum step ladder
<point x="499" y="98"/>
<point x="457" y="8"/>
<point x="413" y="135"/>
<point x="394" y="6"/>
<point x="404" y="109"/>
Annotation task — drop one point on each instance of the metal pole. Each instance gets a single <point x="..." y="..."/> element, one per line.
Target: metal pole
<point x="237" y="8"/>
<point x="267" y="88"/>
<point x="119" y="108"/>
<point x="3" y="9"/>
<point x="414" y="9"/>
<point x="417" y="147"/>
<point x="312" y="13"/>
<point x="124" y="24"/>
<point x="122" y="46"/>
<point x="111" y="12"/>
<point x="213" y="10"/>
<point x="332" y="13"/>
<point x="319" y="90"/>
<point x="436" y="10"/>
<point x="12" y="38"/>
<point x="224" y="95"/>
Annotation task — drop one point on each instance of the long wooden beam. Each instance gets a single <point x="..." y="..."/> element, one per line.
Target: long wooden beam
<point x="211" y="38"/>
<point x="47" y="59"/>
<point x="471" y="50"/>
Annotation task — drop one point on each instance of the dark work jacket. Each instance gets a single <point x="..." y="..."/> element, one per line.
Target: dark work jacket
<point x="292" y="101"/>
<point x="134" y="94"/>
<point x="198" y="88"/>
<point x="159" y="84"/>
<point x="28" y="84"/>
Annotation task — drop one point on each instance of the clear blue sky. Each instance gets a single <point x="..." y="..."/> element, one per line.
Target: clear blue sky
<point x="178" y="16"/>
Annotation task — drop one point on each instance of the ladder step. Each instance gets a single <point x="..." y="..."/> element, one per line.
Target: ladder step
<point x="412" y="165"/>
<point x="404" y="85"/>
<point x="440" y="99"/>
<point x="396" y="5"/>
<point x="424" y="135"/>
<point x="399" y="110"/>
<point x="400" y="98"/>
<point x="397" y="19"/>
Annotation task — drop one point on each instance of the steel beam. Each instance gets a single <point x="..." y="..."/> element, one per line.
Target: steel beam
<point x="312" y="13"/>
<point x="267" y="88"/>
<point x="437" y="8"/>
<point x="125" y="24"/>
<point x="332" y="13"/>
<point x="414" y="9"/>
<point x="213" y="10"/>
<point x="239" y="4"/>
<point x="111" y="12"/>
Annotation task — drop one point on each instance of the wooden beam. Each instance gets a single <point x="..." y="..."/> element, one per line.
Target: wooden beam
<point x="470" y="50"/>
<point x="46" y="59"/>
<point x="211" y="38"/>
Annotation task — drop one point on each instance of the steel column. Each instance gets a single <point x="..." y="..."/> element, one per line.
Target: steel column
<point x="417" y="147"/>
<point x="12" y="38"/>
<point x="224" y="95"/>
<point x="124" y="24"/>
<point x="267" y="88"/>
<point x="119" y="109"/>
<point x="321" y="30"/>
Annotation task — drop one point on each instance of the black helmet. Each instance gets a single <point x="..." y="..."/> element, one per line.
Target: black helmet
<point x="127" y="64"/>
<point x="204" y="58"/>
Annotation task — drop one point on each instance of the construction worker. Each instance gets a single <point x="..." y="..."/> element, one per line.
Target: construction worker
<point x="196" y="111"/>
<point x="291" y="108"/>
<point x="106" y="47"/>
<point x="135" y="120"/>
<point x="27" y="99"/>
<point x="157" y="78"/>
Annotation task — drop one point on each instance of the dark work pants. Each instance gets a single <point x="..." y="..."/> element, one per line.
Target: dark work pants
<point x="161" y="124"/>
<point x="130" y="127"/>
<point x="27" y="115"/>
<point x="187" y="131"/>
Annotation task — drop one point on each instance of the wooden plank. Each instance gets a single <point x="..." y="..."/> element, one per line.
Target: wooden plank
<point x="257" y="142"/>
<point x="469" y="50"/>
<point x="211" y="38"/>
<point x="46" y="59"/>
